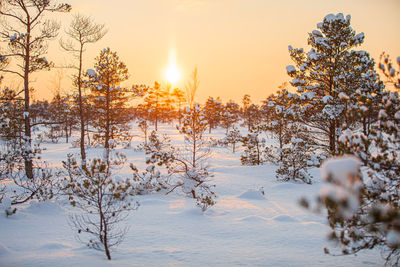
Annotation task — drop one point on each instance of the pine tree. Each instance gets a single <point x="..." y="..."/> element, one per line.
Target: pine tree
<point x="180" y="99"/>
<point x="83" y="31"/>
<point x="280" y="112"/>
<point x="368" y="215"/>
<point x="230" y="115"/>
<point x="328" y="77"/>
<point x="232" y="138"/>
<point x="295" y="162"/>
<point x="105" y="202"/>
<point x="108" y="98"/>
<point x="212" y="110"/>
<point x="254" y="144"/>
<point x="153" y="104"/>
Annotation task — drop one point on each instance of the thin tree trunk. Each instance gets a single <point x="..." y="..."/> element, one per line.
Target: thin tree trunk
<point x="27" y="160"/>
<point x="81" y="115"/>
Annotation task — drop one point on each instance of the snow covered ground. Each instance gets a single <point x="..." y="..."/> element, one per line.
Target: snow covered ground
<point x="244" y="228"/>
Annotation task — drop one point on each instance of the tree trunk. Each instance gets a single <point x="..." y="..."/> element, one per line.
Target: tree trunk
<point x="66" y="132"/>
<point x="332" y="138"/>
<point x="27" y="160"/>
<point x="81" y="115"/>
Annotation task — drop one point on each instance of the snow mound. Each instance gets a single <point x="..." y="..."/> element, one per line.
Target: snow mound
<point x="152" y="202"/>
<point x="284" y="218"/>
<point x="257" y="194"/>
<point x="44" y="208"/>
<point x="3" y="249"/>
<point x="54" y="246"/>
<point x="285" y="186"/>
<point x="252" y="218"/>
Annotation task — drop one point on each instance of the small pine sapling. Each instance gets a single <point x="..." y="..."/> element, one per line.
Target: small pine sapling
<point x="232" y="138"/>
<point x="104" y="201"/>
<point x="149" y="181"/>
<point x="187" y="169"/>
<point x="295" y="162"/>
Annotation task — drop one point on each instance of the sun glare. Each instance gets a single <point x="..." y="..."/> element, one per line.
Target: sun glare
<point x="172" y="74"/>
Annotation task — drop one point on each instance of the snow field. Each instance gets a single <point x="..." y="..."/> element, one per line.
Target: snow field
<point x="244" y="228"/>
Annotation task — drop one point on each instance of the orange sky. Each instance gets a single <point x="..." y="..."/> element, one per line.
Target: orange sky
<point x="239" y="46"/>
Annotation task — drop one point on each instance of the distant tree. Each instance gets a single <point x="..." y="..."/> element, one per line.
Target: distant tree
<point x="82" y="31"/>
<point x="108" y="98"/>
<point x="144" y="127"/>
<point x="327" y="79"/>
<point x="153" y="103"/>
<point x="232" y="138"/>
<point x="11" y="116"/>
<point x="212" y="110"/>
<point x="280" y="112"/>
<point x="250" y="113"/>
<point x="254" y="147"/>
<point x="192" y="87"/>
<point x="61" y="116"/>
<point x="167" y="104"/>
<point x="27" y="34"/>
<point x="180" y="99"/>
<point x="230" y="115"/>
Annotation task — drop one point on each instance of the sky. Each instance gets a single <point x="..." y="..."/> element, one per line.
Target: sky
<point x="239" y="46"/>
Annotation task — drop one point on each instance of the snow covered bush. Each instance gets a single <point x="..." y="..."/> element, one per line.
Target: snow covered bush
<point x="187" y="167"/>
<point x="232" y="138"/>
<point x="18" y="187"/>
<point x="149" y="181"/>
<point x="104" y="201"/>
<point x="11" y="115"/>
<point x="364" y="205"/>
<point x="295" y="162"/>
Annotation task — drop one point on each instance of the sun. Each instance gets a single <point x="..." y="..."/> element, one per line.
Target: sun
<point x="172" y="74"/>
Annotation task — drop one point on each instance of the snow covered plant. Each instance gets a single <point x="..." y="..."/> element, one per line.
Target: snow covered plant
<point x="104" y="201"/>
<point x="254" y="147"/>
<point x="232" y="138"/>
<point x="364" y="207"/>
<point x="149" y="181"/>
<point x="388" y="70"/>
<point x="191" y="162"/>
<point x="20" y="188"/>
<point x="187" y="167"/>
<point x="295" y="162"/>
<point x="281" y="112"/>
